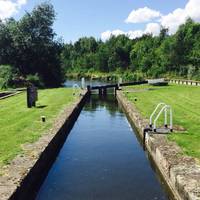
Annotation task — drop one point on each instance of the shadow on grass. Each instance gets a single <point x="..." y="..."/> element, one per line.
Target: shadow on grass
<point x="41" y="107"/>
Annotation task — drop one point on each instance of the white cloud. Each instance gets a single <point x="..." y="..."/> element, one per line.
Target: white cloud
<point x="107" y="34"/>
<point x="171" y="21"/>
<point x="174" y="20"/>
<point x="142" y="15"/>
<point x="9" y="8"/>
<point x="193" y="9"/>
<point x="179" y="16"/>
<point x="153" y="28"/>
<point x="135" y="34"/>
<point x="131" y="34"/>
<point x="117" y="32"/>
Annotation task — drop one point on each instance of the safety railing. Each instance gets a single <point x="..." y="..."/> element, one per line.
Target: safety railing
<point x="162" y="108"/>
<point x="154" y="112"/>
<point x="76" y="89"/>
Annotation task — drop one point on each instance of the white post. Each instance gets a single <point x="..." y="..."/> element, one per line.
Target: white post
<point x="171" y="120"/>
<point x="154" y="124"/>
<point x="119" y="82"/>
<point x="83" y="83"/>
<point x="165" y="118"/>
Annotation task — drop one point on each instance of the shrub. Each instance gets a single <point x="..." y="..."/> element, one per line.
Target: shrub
<point x="35" y="80"/>
<point x="5" y="76"/>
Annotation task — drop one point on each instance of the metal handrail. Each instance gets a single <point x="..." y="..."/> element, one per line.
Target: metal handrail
<point x="150" y="121"/>
<point x="165" y="108"/>
<point x="76" y="86"/>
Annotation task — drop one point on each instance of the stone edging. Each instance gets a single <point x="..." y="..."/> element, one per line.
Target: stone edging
<point x="10" y="95"/>
<point x="181" y="173"/>
<point x="22" y="178"/>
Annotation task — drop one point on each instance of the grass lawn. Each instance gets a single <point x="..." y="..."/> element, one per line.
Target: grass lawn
<point x="185" y="102"/>
<point x="19" y="125"/>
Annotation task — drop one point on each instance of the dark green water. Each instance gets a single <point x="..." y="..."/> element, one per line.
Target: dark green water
<point x="101" y="159"/>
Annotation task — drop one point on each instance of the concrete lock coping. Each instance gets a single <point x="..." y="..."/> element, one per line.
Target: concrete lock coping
<point x="180" y="172"/>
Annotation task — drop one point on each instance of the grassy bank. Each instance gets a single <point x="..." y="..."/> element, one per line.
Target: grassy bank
<point x="186" y="108"/>
<point x="19" y="125"/>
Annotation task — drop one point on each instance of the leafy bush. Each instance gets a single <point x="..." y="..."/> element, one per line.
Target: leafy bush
<point x="5" y="76"/>
<point x="35" y="80"/>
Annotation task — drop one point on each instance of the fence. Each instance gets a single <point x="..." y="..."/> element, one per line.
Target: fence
<point x="185" y="82"/>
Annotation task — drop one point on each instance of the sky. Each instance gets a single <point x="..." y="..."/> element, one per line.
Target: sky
<point x="103" y="18"/>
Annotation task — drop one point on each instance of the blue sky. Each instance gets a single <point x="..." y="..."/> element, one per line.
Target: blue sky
<point x="78" y="18"/>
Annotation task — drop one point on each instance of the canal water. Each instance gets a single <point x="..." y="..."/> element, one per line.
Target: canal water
<point x="101" y="159"/>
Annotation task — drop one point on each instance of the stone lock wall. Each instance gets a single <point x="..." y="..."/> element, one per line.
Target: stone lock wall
<point x="180" y="172"/>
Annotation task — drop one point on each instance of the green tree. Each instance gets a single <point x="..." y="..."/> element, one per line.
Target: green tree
<point x="31" y="46"/>
<point x="6" y="76"/>
<point x="143" y="54"/>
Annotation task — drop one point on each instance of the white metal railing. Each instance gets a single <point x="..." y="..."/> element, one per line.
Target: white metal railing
<point x="75" y="88"/>
<point x="165" y="108"/>
<point x="154" y="112"/>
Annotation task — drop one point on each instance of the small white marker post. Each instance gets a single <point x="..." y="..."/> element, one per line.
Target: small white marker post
<point x="119" y="82"/>
<point x="83" y="83"/>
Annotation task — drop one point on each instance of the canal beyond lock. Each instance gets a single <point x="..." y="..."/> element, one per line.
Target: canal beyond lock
<point x="101" y="159"/>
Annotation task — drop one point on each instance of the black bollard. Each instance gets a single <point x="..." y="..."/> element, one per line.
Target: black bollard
<point x="145" y="131"/>
<point x="89" y="89"/>
<point x="104" y="91"/>
<point x="43" y="119"/>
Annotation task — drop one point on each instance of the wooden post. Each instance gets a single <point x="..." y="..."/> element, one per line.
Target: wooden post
<point x="89" y="89"/>
<point x="116" y="88"/>
<point x="28" y="97"/>
<point x="32" y="96"/>
<point x="104" y="91"/>
<point x="100" y="91"/>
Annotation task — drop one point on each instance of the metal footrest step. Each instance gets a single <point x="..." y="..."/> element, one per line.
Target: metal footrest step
<point x="161" y="131"/>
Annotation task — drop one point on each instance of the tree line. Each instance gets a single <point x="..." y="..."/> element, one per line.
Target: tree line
<point x="31" y="52"/>
<point x="166" y="55"/>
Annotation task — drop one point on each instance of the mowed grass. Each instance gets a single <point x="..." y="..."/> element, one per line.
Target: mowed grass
<point x="185" y="102"/>
<point x="20" y="125"/>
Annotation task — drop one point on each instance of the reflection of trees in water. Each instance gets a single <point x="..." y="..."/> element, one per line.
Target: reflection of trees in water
<point x="109" y="102"/>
